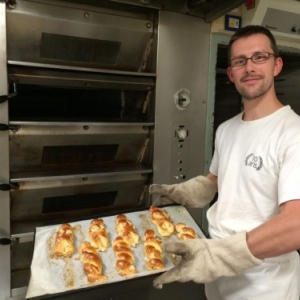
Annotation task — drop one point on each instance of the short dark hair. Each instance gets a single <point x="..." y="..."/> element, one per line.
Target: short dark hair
<point x="251" y="30"/>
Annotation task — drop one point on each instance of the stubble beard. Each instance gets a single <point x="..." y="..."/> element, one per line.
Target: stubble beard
<point x="248" y="94"/>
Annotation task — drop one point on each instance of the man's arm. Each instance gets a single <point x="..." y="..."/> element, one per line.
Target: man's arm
<point x="279" y="235"/>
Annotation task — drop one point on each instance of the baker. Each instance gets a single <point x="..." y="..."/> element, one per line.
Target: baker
<point x="254" y="225"/>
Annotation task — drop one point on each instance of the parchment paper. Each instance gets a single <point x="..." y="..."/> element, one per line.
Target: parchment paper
<point x="51" y="276"/>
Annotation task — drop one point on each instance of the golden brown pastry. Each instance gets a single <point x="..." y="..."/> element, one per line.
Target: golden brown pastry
<point x="98" y="235"/>
<point x="124" y="257"/>
<point x="121" y="222"/>
<point x="92" y="264"/>
<point x="153" y="251"/>
<point x="162" y="221"/>
<point x="64" y="241"/>
<point x="155" y="264"/>
<point x="184" y="232"/>
<point x="125" y="229"/>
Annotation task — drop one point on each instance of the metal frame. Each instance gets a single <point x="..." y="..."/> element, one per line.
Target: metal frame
<point x="206" y="9"/>
<point x="215" y="40"/>
<point x="5" y="263"/>
<point x="175" y="160"/>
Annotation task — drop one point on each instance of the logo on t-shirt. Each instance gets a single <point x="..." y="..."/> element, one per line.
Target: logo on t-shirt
<point x="254" y="161"/>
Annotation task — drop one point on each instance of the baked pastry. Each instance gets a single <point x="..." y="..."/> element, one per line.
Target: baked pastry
<point x="98" y="235"/>
<point x="121" y="222"/>
<point x="92" y="264"/>
<point x="155" y="264"/>
<point x="124" y="257"/>
<point x="162" y="221"/>
<point x="64" y="241"/>
<point x="153" y="251"/>
<point x="184" y="232"/>
<point x="126" y="230"/>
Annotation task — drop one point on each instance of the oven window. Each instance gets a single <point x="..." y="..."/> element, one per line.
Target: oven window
<point x="78" y="202"/>
<point x="36" y="103"/>
<point x="69" y="155"/>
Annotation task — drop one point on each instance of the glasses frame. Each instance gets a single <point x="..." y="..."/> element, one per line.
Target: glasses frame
<point x="251" y="58"/>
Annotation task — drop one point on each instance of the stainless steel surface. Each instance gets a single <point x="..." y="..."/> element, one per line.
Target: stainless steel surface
<point x="30" y="145"/>
<point x="66" y="35"/>
<point x="209" y="10"/>
<point x="179" y="36"/>
<point x="68" y="67"/>
<point x="80" y="127"/>
<point x="5" y="265"/>
<point x="59" y="200"/>
<point x="90" y="79"/>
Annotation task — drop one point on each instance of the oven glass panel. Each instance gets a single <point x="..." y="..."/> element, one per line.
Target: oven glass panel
<point x="78" y="202"/>
<point x="35" y="103"/>
<point x="69" y="155"/>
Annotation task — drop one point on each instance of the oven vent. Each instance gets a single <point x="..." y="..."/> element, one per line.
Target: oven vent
<point x="76" y="49"/>
<point x="76" y="155"/>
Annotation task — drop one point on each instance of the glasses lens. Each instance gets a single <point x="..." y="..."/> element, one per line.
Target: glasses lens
<point x="260" y="57"/>
<point x="236" y="62"/>
<point x="257" y="58"/>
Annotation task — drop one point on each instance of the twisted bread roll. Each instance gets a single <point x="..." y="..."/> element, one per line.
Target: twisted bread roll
<point x="122" y="250"/>
<point x="124" y="257"/>
<point x="185" y="233"/>
<point x="92" y="264"/>
<point x="121" y="222"/>
<point x="64" y="242"/>
<point x="125" y="229"/>
<point x="98" y="235"/>
<point x="153" y="251"/>
<point x="162" y="221"/>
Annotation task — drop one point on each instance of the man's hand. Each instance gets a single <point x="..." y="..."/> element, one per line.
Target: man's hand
<point x="204" y="260"/>
<point x="196" y="192"/>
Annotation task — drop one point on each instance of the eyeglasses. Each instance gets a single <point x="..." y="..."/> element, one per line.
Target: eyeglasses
<point x="257" y="58"/>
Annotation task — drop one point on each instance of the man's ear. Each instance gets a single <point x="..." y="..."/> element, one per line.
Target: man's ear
<point x="278" y="66"/>
<point x="229" y="74"/>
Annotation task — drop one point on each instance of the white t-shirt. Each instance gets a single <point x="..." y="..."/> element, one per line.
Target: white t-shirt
<point x="258" y="168"/>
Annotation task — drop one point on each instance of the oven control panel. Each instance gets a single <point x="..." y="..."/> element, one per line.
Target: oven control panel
<point x="180" y="152"/>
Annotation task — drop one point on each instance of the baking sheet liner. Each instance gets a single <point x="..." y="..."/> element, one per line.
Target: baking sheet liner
<point x="51" y="276"/>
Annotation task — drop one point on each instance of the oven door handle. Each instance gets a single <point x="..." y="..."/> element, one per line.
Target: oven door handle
<point x="4" y="187"/>
<point x="4" y="98"/>
<point x="5" y="127"/>
<point x="8" y="187"/>
<point x="5" y="241"/>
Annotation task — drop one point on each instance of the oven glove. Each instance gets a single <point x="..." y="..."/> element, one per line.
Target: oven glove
<point x="196" y="192"/>
<point x="204" y="260"/>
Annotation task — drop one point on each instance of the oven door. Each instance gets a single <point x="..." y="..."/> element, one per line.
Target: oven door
<point x="77" y="151"/>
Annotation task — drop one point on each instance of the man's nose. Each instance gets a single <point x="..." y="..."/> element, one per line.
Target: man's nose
<point x="249" y="64"/>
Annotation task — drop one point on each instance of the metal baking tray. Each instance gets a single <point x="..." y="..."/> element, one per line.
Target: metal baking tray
<point x="52" y="276"/>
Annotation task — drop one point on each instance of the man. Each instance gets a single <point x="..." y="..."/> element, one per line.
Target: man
<point x="255" y="223"/>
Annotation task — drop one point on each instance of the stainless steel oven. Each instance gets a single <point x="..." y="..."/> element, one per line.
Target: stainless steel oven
<point x="98" y="99"/>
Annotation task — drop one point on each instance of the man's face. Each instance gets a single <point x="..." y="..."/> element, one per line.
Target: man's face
<point x="253" y="80"/>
